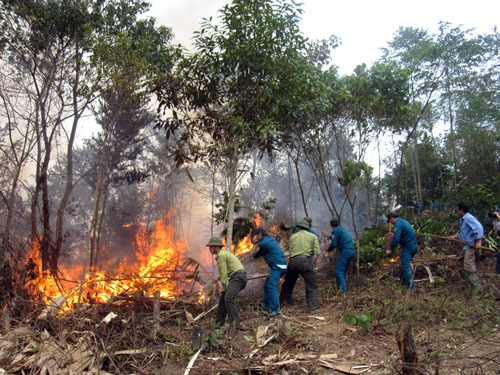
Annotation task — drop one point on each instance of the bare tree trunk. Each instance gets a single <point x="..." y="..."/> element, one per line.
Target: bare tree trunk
<point x="234" y="162"/>
<point x="299" y="181"/>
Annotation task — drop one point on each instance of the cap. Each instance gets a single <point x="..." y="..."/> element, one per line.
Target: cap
<point x="303" y="224"/>
<point x="215" y="241"/>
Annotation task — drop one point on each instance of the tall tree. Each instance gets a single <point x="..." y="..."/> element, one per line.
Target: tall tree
<point x="248" y="82"/>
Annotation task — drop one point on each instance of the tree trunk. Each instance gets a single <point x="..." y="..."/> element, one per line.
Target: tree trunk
<point x="299" y="181"/>
<point x="232" y="196"/>
<point x="406" y="345"/>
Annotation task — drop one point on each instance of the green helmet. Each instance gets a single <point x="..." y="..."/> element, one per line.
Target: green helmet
<point x="215" y="241"/>
<point x="304" y="224"/>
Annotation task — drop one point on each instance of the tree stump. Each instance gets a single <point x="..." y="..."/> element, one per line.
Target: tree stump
<point x="406" y="345"/>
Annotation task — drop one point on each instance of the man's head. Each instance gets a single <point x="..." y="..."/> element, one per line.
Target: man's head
<point x="462" y="209"/>
<point x="303" y="224"/>
<point x="392" y="217"/>
<point x="214" y="245"/>
<point x="334" y="223"/>
<point x="258" y="234"/>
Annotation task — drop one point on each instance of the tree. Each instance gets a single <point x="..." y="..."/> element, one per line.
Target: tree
<point x="62" y="52"/>
<point x="248" y="82"/>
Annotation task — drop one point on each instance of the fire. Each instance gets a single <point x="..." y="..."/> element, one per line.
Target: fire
<point x="392" y="260"/>
<point x="156" y="268"/>
<point x="246" y="244"/>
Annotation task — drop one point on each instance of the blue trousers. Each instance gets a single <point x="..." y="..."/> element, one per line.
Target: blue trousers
<point x="406" y="276"/>
<point x="271" y="297"/>
<point x="341" y="267"/>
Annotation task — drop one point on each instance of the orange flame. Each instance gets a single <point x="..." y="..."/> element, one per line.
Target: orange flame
<point x="156" y="268"/>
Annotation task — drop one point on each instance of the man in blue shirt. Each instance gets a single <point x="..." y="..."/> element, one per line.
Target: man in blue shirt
<point x="472" y="232"/>
<point x="404" y="235"/>
<point x="276" y="260"/>
<point x="342" y="240"/>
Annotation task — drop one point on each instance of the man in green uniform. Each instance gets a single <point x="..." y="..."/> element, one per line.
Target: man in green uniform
<point x="302" y="245"/>
<point x="233" y="278"/>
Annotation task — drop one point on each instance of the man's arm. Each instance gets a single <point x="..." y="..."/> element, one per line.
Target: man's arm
<point x="222" y="265"/>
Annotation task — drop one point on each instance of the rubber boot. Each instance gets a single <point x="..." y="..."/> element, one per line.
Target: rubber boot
<point x="476" y="284"/>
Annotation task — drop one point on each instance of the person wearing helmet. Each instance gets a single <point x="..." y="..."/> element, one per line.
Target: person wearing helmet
<point x="342" y="240"/>
<point x="276" y="260"/>
<point x="302" y="244"/>
<point x="233" y="278"/>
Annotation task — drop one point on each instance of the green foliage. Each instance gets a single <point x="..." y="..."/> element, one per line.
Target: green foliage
<point x="435" y="224"/>
<point x="372" y="246"/>
<point x="362" y="320"/>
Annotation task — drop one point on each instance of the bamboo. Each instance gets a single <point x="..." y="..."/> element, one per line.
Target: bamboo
<point x="454" y="240"/>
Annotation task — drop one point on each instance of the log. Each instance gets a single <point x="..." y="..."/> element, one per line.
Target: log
<point x="406" y="345"/>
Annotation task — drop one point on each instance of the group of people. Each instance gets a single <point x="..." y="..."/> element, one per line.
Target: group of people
<point x="304" y="251"/>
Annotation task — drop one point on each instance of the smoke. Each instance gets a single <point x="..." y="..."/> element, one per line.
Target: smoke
<point x="185" y="16"/>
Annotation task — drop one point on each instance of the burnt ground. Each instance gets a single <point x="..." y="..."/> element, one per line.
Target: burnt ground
<point x="455" y="331"/>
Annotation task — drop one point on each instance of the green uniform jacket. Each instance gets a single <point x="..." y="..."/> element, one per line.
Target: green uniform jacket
<point x="228" y="264"/>
<point x="303" y="243"/>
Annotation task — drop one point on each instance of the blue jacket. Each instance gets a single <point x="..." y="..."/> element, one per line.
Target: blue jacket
<point x="272" y="253"/>
<point x="342" y="240"/>
<point x="470" y="229"/>
<point x="405" y="235"/>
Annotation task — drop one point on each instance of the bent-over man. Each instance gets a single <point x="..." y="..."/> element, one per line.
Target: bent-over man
<point x="404" y="235"/>
<point x="276" y="260"/>
<point x="233" y="279"/>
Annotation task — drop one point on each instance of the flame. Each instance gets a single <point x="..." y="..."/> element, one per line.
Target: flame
<point x="246" y="244"/>
<point x="394" y="260"/>
<point x="156" y="268"/>
<point x="128" y="225"/>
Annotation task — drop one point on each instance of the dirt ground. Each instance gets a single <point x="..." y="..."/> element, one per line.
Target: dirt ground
<point x="455" y="332"/>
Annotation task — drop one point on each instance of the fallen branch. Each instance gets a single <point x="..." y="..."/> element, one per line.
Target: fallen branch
<point x="297" y="321"/>
<point x="453" y="240"/>
<point x="204" y="313"/>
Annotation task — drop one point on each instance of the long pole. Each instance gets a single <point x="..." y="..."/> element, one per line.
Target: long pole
<point x="454" y="240"/>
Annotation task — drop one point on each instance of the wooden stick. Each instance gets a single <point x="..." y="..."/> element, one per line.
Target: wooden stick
<point x="191" y="362"/>
<point x="297" y="321"/>
<point x="454" y="240"/>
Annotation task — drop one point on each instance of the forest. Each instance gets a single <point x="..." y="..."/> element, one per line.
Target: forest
<point x="122" y="153"/>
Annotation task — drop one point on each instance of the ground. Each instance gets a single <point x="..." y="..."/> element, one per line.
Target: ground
<point x="455" y="330"/>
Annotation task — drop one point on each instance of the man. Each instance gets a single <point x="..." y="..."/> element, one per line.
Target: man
<point x="310" y="230"/>
<point x="302" y="245"/>
<point x="404" y="235"/>
<point x="472" y="232"/>
<point x="276" y="260"/>
<point x="233" y="278"/>
<point x="342" y="240"/>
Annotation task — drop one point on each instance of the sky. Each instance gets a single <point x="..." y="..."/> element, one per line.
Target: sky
<point x="364" y="26"/>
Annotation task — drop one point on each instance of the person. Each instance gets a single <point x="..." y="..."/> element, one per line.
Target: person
<point x="496" y="219"/>
<point x="342" y="240"/>
<point x="302" y="245"/>
<point x="233" y="279"/>
<point x="310" y="230"/>
<point x="404" y="235"/>
<point x="276" y="260"/>
<point x="472" y="232"/>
